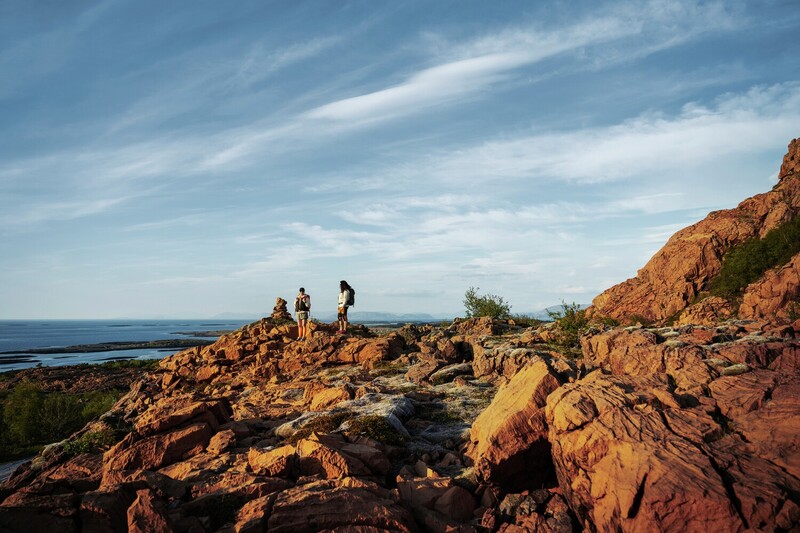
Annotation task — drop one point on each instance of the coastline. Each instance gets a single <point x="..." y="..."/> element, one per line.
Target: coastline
<point x="115" y="346"/>
<point x="28" y="344"/>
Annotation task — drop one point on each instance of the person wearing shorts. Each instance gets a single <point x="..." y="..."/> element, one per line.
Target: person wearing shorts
<point x="302" y="306"/>
<point x="344" y="297"/>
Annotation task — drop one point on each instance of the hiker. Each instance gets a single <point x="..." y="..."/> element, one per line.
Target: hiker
<point x="302" y="306"/>
<point x="345" y="301"/>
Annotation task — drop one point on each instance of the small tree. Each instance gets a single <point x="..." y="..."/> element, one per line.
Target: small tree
<point x="487" y="305"/>
<point x="572" y="322"/>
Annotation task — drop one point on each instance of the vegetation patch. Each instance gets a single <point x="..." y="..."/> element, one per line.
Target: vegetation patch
<point x="320" y="424"/>
<point x="91" y="442"/>
<point x="438" y="412"/>
<point x="526" y="321"/>
<point x="639" y="319"/>
<point x="385" y="368"/>
<point x="609" y="322"/>
<point x="487" y="305"/>
<point x="377" y="428"/>
<point x="571" y="323"/>
<point x="31" y="418"/>
<point x="144" y="364"/>
<point x="747" y="262"/>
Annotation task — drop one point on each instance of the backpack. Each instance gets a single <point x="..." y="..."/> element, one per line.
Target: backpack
<point x="351" y="299"/>
<point x="301" y="304"/>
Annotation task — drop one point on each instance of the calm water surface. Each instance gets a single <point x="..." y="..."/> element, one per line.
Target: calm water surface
<point x="16" y="335"/>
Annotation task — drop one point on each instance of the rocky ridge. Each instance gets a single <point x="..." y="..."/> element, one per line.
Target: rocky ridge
<point x="410" y="432"/>
<point x="679" y="273"/>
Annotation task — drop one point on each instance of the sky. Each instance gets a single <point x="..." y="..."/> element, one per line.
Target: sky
<point x="187" y="159"/>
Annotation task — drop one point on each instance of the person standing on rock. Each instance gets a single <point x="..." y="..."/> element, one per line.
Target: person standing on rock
<point x="302" y="306"/>
<point x="345" y="301"/>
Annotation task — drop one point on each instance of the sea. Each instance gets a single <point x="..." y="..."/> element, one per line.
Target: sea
<point x="19" y="335"/>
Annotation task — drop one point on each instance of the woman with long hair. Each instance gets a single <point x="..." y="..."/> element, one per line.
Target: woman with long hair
<point x="344" y="302"/>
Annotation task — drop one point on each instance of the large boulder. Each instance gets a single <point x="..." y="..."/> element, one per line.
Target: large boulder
<point x="23" y="512"/>
<point x="151" y="453"/>
<point x="278" y="462"/>
<point x="341" y="505"/>
<point x="476" y="326"/>
<point x="641" y="352"/>
<point x="509" y="438"/>
<point x="327" y="459"/>
<point x="630" y="457"/>
<point x="148" y="514"/>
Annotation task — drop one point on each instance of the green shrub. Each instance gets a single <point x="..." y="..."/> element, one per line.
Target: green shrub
<point x="745" y="263"/>
<point x="487" y="305"/>
<point x="59" y="416"/>
<point x="91" y="442"/>
<point x="32" y="418"/>
<point x="526" y="321"/>
<point x="21" y="413"/>
<point x="571" y="322"/>
<point x="97" y="403"/>
<point x="639" y="319"/>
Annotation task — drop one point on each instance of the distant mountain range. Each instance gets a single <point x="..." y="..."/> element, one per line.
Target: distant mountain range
<point x="368" y="316"/>
<point x="378" y="316"/>
<point x="544" y="314"/>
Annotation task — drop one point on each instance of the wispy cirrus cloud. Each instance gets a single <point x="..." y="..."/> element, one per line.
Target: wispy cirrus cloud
<point x="474" y="66"/>
<point x="459" y="70"/>
<point x="47" y="211"/>
<point x="645" y="147"/>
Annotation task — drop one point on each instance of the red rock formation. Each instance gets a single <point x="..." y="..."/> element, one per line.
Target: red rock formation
<point x="691" y="258"/>
<point x="280" y="312"/>
<point x="509" y="438"/>
<point x="338" y="505"/>
<point x="148" y="515"/>
<point x="707" y="312"/>
<point x="693" y="425"/>
<point x="279" y="462"/>
<point x="776" y="295"/>
<point x="629" y="457"/>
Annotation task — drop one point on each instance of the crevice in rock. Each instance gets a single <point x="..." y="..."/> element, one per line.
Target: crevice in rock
<point x="637" y="499"/>
<point x="533" y="469"/>
<point x="727" y="483"/>
<point x="725" y="478"/>
<point x="768" y="393"/>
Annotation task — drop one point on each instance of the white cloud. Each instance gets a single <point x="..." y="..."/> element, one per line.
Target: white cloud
<point x="760" y="119"/>
<point x="59" y="211"/>
<point x="460" y="70"/>
<point x="473" y="67"/>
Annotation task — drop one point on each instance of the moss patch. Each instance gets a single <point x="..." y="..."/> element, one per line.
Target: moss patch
<point x="320" y="424"/>
<point x="377" y="428"/>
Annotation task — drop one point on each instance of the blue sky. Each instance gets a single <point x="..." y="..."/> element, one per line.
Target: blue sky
<point x="186" y="159"/>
